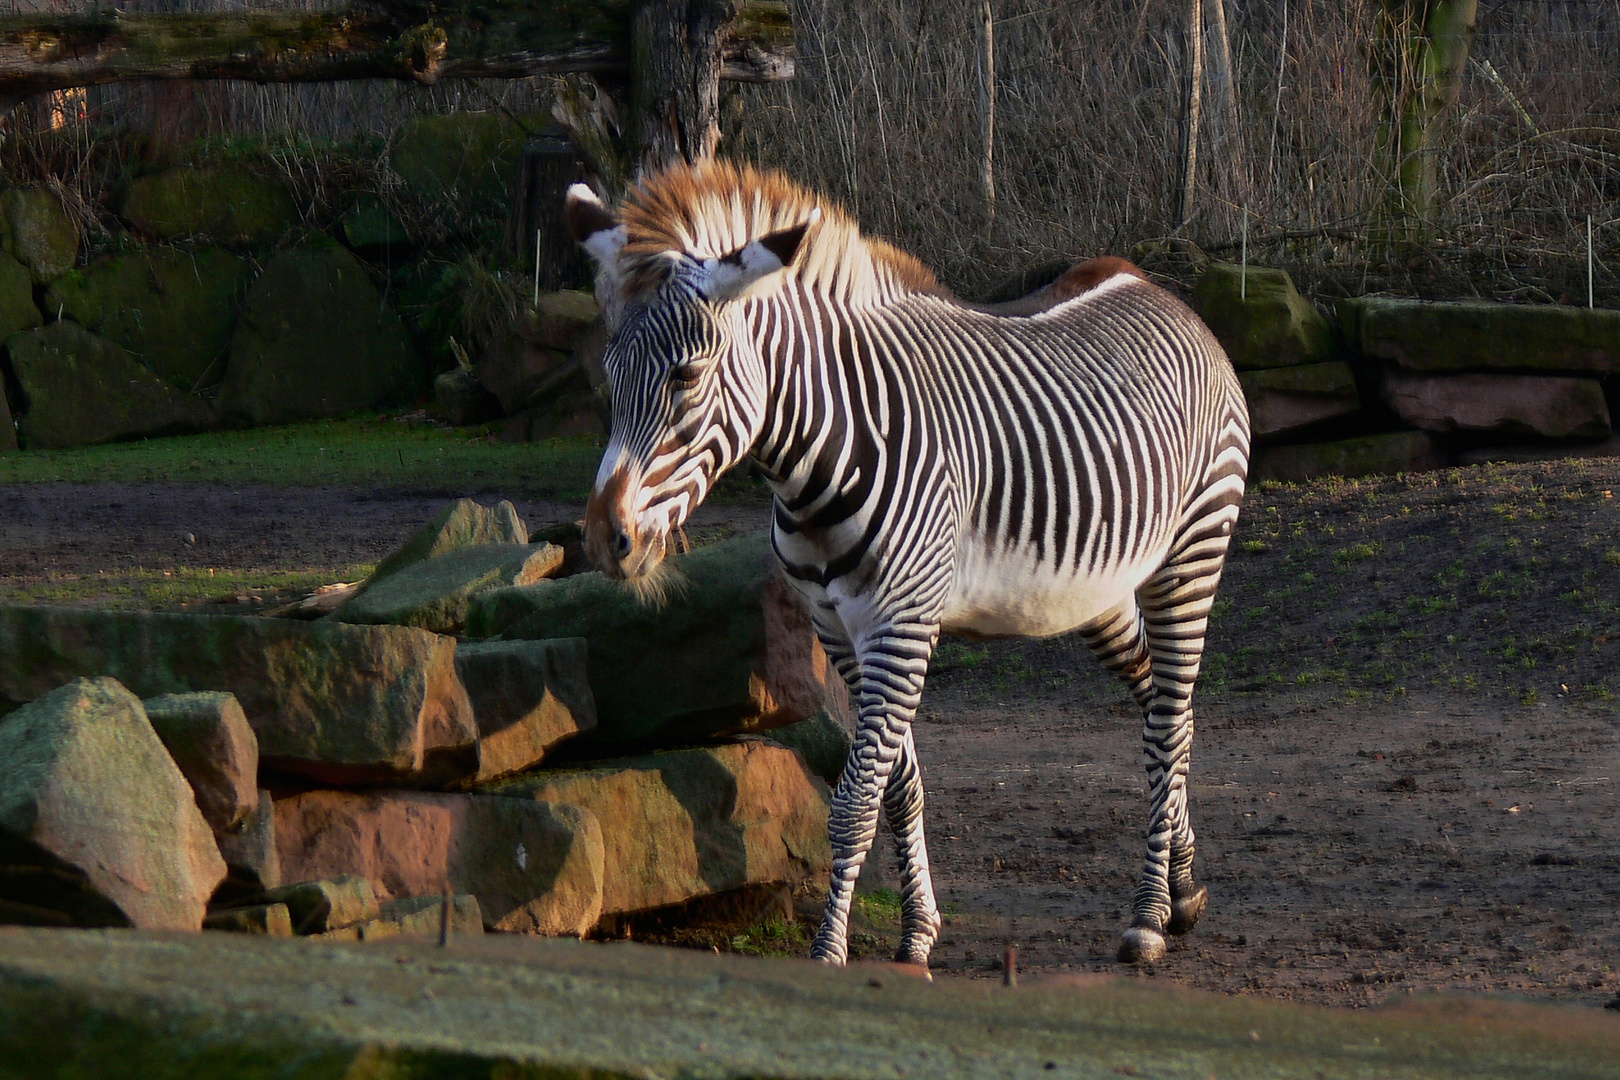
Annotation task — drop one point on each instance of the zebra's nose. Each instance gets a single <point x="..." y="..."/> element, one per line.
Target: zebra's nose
<point x="621" y="543"/>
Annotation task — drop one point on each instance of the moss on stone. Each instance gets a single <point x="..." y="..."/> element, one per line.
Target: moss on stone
<point x="229" y="204"/>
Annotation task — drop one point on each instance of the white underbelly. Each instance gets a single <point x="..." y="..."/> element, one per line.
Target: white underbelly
<point x="1010" y="593"/>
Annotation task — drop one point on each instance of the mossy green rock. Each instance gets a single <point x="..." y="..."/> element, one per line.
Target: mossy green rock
<point x="173" y="310"/>
<point x="1476" y="334"/>
<point x="40" y="232"/>
<point x="823" y="741"/>
<point x="81" y="1003"/>
<point x="96" y="821"/>
<point x="730" y="650"/>
<point x="316" y="339"/>
<point x="462" y="524"/>
<point x="467" y="160"/>
<point x="369" y="224"/>
<point x="228" y="204"/>
<point x="1286" y="399"/>
<point x="1259" y="317"/>
<point x="339" y="703"/>
<point x="81" y="388"/>
<point x="1396" y="452"/>
<point x="691" y="823"/>
<point x="17" y="309"/>
<point x="435" y="593"/>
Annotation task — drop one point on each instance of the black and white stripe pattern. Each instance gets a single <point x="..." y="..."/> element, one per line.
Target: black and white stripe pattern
<point x="938" y="467"/>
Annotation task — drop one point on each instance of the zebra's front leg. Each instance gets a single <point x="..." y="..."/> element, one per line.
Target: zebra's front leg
<point x="890" y="688"/>
<point x="903" y="803"/>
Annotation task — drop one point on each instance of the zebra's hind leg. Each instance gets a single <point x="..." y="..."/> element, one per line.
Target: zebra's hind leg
<point x="1175" y="604"/>
<point x="903" y="803"/>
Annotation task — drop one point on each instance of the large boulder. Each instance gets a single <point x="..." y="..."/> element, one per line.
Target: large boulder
<point x="823" y="741"/>
<point x="316" y="339"/>
<point x="1458" y="335"/>
<point x="462" y="524"/>
<point x="229" y="204"/>
<point x="461" y="401"/>
<point x="527" y="696"/>
<point x="17" y="308"/>
<point x="40" y="232"/>
<point x="1547" y="405"/>
<point x="1287" y="399"/>
<point x="1260" y="318"/>
<point x="535" y="868"/>
<point x="1394" y="452"/>
<point x="732" y="650"/>
<point x="540" y="355"/>
<point x="330" y="903"/>
<point x="369" y="224"/>
<point x="690" y="823"/>
<point x="96" y="822"/>
<point x="435" y="593"/>
<point x="209" y="738"/>
<point x="173" y="310"/>
<point x="340" y="703"/>
<point x="461" y="162"/>
<point x="81" y="388"/>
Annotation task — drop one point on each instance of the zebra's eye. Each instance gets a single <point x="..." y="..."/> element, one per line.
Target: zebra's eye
<point x="684" y="376"/>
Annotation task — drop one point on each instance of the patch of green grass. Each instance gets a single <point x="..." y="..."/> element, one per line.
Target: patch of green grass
<point x="954" y="655"/>
<point x="1356" y="553"/>
<point x="879" y="905"/>
<point x="376" y="452"/>
<point x="774" y="937"/>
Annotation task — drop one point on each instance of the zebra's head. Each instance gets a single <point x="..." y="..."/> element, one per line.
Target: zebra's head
<point x="686" y="381"/>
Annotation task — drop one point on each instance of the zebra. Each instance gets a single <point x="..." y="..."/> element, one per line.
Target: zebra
<point x="1071" y="461"/>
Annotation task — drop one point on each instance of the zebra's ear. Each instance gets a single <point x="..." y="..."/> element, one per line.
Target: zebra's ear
<point x="593" y="225"/>
<point x="729" y="277"/>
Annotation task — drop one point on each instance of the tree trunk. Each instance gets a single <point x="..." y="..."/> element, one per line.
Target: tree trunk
<point x="1190" y="115"/>
<point x="1421" y="49"/>
<point x="412" y="40"/>
<point x="676" y="58"/>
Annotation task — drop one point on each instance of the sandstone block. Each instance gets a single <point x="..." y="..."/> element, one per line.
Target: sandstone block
<point x="1396" y="452"/>
<point x="459" y="399"/>
<point x="416" y="917"/>
<point x="823" y="741"/>
<point x="174" y="310"/>
<point x="208" y="736"/>
<point x="1457" y="335"/>
<point x="1260" y="319"/>
<point x="560" y="317"/>
<point x="527" y="696"/>
<point x="462" y="524"/>
<point x="436" y="593"/>
<point x="1287" y="399"/>
<point x="315" y="339"/>
<point x="733" y="650"/>
<point x="271" y="920"/>
<point x="96" y="820"/>
<point x="81" y="388"/>
<point x="325" y="904"/>
<point x="225" y="203"/>
<point x="340" y="703"/>
<point x="534" y="868"/>
<point x="249" y="851"/>
<point x="691" y="823"/>
<point x="1550" y="406"/>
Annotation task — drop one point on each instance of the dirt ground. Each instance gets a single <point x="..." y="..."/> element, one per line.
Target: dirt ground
<point x="1429" y="809"/>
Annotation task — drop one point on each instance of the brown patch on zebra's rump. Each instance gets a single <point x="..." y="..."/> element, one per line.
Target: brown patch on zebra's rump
<point x="1078" y="279"/>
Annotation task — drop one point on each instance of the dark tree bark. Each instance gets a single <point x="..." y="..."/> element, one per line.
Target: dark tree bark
<point x="676" y="60"/>
<point x="371" y="39"/>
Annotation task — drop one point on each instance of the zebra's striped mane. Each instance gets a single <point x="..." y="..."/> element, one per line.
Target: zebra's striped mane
<point x="710" y="210"/>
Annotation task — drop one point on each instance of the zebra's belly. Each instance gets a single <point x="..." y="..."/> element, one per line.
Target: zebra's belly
<point x="1013" y="594"/>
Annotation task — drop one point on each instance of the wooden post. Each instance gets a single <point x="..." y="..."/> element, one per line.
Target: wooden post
<point x="1190" y="115"/>
<point x="548" y="165"/>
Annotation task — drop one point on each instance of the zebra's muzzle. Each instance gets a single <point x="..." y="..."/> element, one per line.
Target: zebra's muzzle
<point x="612" y="541"/>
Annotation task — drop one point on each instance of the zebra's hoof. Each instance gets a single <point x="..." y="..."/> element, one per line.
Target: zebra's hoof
<point x="1185" y="912"/>
<point x="1141" y="945"/>
<point x="911" y="958"/>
